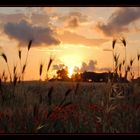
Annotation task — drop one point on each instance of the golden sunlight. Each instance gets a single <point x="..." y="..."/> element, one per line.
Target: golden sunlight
<point x="70" y="72"/>
<point x="71" y="60"/>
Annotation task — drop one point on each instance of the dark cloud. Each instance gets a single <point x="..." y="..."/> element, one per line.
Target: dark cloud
<point x="119" y="21"/>
<point x="73" y="19"/>
<point x="73" y="22"/>
<point x="24" y="31"/>
<point x="73" y="38"/>
<point x="90" y="66"/>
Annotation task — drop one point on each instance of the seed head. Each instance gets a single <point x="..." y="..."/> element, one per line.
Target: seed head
<point x="138" y="56"/>
<point x="123" y="41"/>
<point x="113" y="43"/>
<point x="4" y="57"/>
<point x="23" y="69"/>
<point x="19" y="54"/>
<point x="50" y="62"/>
<point x="40" y="70"/>
<point x="29" y="45"/>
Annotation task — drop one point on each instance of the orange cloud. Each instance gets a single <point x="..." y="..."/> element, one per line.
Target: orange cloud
<point x="73" y="38"/>
<point x="73" y="19"/>
<point x="49" y="10"/>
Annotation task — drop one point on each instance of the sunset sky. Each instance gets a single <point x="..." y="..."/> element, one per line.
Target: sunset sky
<point x="73" y="36"/>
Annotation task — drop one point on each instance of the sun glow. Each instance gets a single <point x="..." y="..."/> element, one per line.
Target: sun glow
<point x="71" y="61"/>
<point x="70" y="72"/>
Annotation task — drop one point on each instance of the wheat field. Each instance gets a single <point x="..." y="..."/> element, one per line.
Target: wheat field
<point x="69" y="107"/>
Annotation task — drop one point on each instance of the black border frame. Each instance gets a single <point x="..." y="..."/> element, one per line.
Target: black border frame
<point x="67" y="3"/>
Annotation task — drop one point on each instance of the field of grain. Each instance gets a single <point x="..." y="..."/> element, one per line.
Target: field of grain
<point x="69" y="107"/>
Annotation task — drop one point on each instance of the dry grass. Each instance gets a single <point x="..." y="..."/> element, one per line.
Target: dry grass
<point x="96" y="108"/>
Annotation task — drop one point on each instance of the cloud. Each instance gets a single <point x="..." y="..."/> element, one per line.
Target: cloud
<point x="118" y="22"/>
<point x="73" y="19"/>
<point x="90" y="66"/>
<point x="24" y="31"/>
<point x="49" y="10"/>
<point x="73" y="22"/>
<point x="58" y="66"/>
<point x="40" y="19"/>
<point x="73" y="38"/>
<point x="35" y="18"/>
<point x="4" y="18"/>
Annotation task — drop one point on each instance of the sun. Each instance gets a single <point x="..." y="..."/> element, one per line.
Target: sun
<point x="70" y="72"/>
<point x="71" y="61"/>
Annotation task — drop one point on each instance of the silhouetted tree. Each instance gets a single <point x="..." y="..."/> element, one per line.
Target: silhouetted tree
<point x="62" y="74"/>
<point x="76" y="77"/>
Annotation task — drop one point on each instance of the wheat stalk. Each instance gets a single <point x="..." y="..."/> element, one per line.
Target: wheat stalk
<point x="19" y="55"/>
<point x="113" y="46"/>
<point x="138" y="57"/>
<point x="6" y="60"/>
<point x="40" y="70"/>
<point x="124" y="44"/>
<point x="27" y="54"/>
<point x="49" y="65"/>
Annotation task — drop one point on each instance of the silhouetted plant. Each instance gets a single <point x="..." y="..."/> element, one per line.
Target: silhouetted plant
<point x="49" y="65"/>
<point x="124" y="44"/>
<point x="120" y="70"/>
<point x="131" y="70"/>
<point x="116" y="60"/>
<point x="6" y="60"/>
<point x="19" y="55"/>
<point x="138" y="58"/>
<point x="40" y="70"/>
<point x="25" y="64"/>
<point x="113" y="47"/>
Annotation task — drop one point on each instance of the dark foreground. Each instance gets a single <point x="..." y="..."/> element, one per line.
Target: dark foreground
<point x="68" y="107"/>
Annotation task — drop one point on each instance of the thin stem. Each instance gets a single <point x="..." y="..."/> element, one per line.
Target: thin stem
<point x="125" y="67"/>
<point x="20" y="66"/>
<point x="26" y="57"/>
<point x="125" y="60"/>
<point x="131" y="71"/>
<point x="113" y="61"/>
<point x="25" y="64"/>
<point x="9" y="72"/>
<point x="47" y="76"/>
<point x="138" y="68"/>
